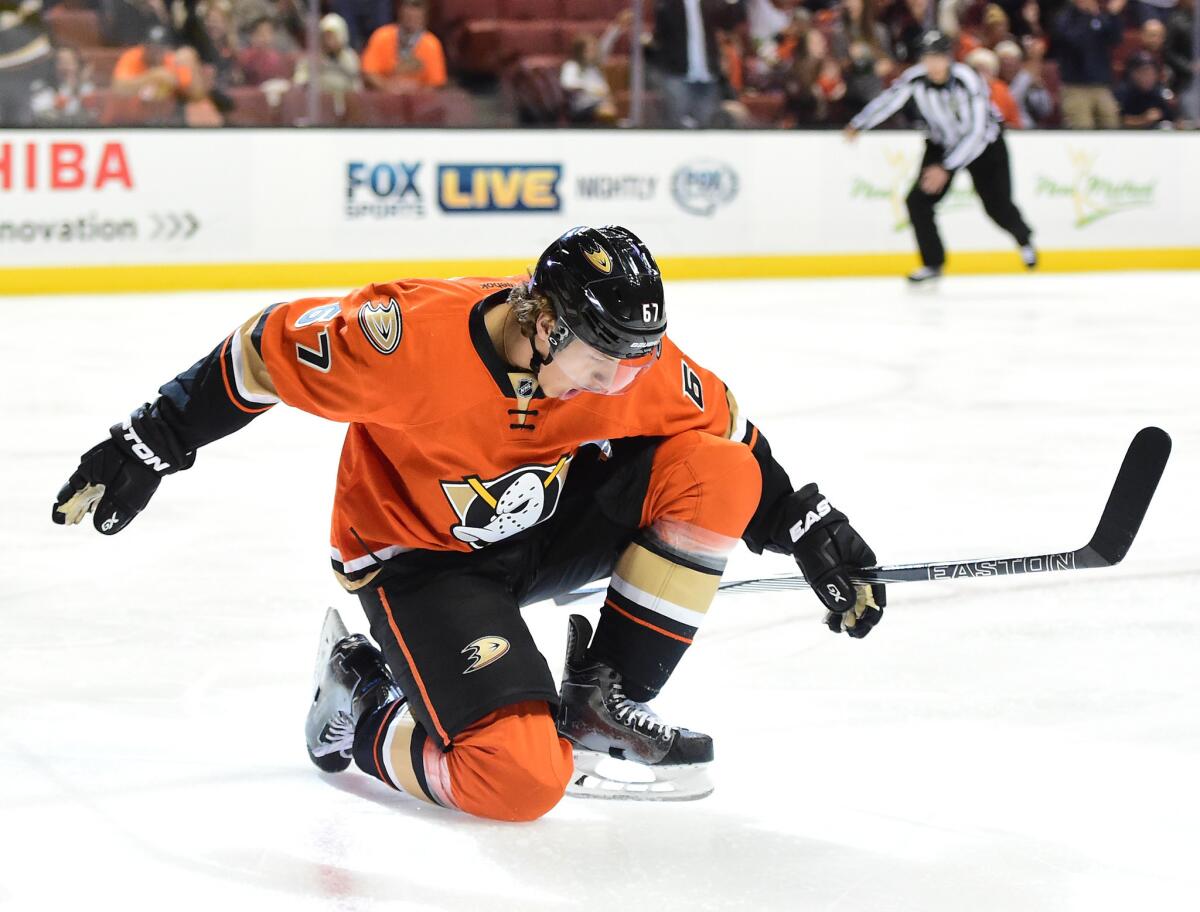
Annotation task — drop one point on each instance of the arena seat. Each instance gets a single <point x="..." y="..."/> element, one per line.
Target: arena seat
<point x="472" y="49"/>
<point x="379" y="109"/>
<point x="250" y="108"/>
<point x="593" y="27"/>
<point x="765" y="107"/>
<point x="79" y="27"/>
<point x="516" y="39"/>
<point x="452" y="13"/>
<point x="544" y="10"/>
<point x="444" y="107"/>
<point x="294" y="109"/>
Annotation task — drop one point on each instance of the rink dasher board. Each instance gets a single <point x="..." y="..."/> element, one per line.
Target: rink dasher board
<point x="174" y="209"/>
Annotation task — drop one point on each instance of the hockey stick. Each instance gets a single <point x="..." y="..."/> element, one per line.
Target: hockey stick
<point x="1119" y="523"/>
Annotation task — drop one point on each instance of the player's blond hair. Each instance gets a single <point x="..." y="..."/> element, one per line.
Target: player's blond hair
<point x="528" y="306"/>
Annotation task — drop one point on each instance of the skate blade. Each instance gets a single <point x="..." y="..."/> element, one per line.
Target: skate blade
<point x="333" y="631"/>
<point x="601" y="776"/>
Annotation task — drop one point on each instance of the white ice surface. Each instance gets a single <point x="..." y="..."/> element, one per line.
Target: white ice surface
<point x="1026" y="744"/>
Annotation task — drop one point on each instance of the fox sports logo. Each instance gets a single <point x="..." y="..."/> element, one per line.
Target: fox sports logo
<point x="702" y="187"/>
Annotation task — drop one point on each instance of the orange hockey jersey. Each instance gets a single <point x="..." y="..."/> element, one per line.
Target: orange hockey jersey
<point x="449" y="447"/>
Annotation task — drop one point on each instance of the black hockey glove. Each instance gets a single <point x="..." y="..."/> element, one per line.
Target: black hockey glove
<point x="117" y="477"/>
<point x="828" y="550"/>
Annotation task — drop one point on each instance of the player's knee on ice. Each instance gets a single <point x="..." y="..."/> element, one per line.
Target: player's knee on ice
<point x="510" y="765"/>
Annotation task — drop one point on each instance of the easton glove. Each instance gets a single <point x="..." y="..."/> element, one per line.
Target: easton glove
<point x="117" y="477"/>
<point x="828" y="550"/>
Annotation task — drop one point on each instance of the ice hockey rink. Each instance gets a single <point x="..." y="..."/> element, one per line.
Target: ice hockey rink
<point x="1021" y="744"/>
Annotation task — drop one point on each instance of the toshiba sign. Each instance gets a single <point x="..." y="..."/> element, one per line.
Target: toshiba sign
<point x="63" y="166"/>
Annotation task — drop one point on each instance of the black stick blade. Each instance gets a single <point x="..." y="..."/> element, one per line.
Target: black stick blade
<point x="1131" y="495"/>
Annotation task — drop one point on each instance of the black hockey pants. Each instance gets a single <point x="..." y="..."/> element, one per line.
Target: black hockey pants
<point x="993" y="182"/>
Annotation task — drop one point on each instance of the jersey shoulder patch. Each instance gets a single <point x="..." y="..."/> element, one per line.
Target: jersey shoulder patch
<point x="382" y="324"/>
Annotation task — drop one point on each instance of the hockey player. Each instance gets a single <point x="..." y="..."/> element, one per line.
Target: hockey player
<point x="509" y="439"/>
<point x="964" y="131"/>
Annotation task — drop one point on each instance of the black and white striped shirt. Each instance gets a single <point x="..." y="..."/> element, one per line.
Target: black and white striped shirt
<point x="959" y="113"/>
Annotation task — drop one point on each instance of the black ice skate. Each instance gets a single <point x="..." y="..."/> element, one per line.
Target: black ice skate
<point x="606" y="726"/>
<point x="350" y="680"/>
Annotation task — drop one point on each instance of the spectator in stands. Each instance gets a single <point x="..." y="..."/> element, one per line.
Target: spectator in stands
<point x="25" y="58"/>
<point x="63" y="101"/>
<point x="404" y="54"/>
<point x="859" y="42"/>
<point x="362" y="18"/>
<point x="688" y="59"/>
<point x="262" y="61"/>
<point x="995" y="27"/>
<point x="218" y="22"/>
<point x="288" y="16"/>
<point x="813" y="82"/>
<point x="907" y="23"/>
<point x="1177" y="49"/>
<point x="1024" y="78"/>
<point x="857" y="22"/>
<point x="1151" y="38"/>
<point x="1152" y="10"/>
<point x="1084" y="37"/>
<point x="588" y="96"/>
<point x="152" y="71"/>
<point x="338" y="66"/>
<point x="986" y="63"/>
<point x="1145" y="102"/>
<point x="765" y="19"/>
<point x="128" y="22"/>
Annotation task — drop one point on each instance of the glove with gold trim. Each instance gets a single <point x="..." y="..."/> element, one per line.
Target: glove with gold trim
<point x="828" y="550"/>
<point x="117" y="477"/>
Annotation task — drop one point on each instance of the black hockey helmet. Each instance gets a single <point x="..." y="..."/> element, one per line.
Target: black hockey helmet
<point x="606" y="291"/>
<point x="934" y="42"/>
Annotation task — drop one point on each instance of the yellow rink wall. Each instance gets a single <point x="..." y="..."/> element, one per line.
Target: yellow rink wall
<point x="164" y="210"/>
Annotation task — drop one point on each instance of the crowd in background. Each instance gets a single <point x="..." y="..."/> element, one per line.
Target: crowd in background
<point x="1069" y="63"/>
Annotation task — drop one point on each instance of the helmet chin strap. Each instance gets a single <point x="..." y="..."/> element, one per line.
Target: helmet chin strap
<point x="555" y="339"/>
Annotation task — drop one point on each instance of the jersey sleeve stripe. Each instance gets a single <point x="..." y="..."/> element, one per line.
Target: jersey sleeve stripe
<point x="226" y="369"/>
<point x="251" y="378"/>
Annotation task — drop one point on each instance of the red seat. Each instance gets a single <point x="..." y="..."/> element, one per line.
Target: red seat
<point x="294" y="109"/>
<point x="250" y="108"/>
<point x="593" y="27"/>
<point x="450" y="13"/>
<point x="765" y="107"/>
<point x="517" y="39"/>
<point x="473" y="48"/>
<point x="531" y="9"/>
<point x="445" y="107"/>
<point x="379" y="109"/>
<point x="80" y="27"/>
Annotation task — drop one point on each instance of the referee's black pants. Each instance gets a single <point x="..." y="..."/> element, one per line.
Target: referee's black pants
<point x="993" y="182"/>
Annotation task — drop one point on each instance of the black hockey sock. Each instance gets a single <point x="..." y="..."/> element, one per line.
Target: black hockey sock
<point x="368" y="740"/>
<point x="645" y="656"/>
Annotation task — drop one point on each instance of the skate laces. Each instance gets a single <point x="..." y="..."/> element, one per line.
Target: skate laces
<point x="638" y="716"/>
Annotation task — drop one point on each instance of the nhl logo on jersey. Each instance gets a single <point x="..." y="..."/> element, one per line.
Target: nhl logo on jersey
<point x="491" y="511"/>
<point x="380" y="323"/>
<point x="599" y="258"/>
<point x="525" y="387"/>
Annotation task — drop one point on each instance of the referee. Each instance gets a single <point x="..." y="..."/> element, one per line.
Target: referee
<point x="963" y="132"/>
